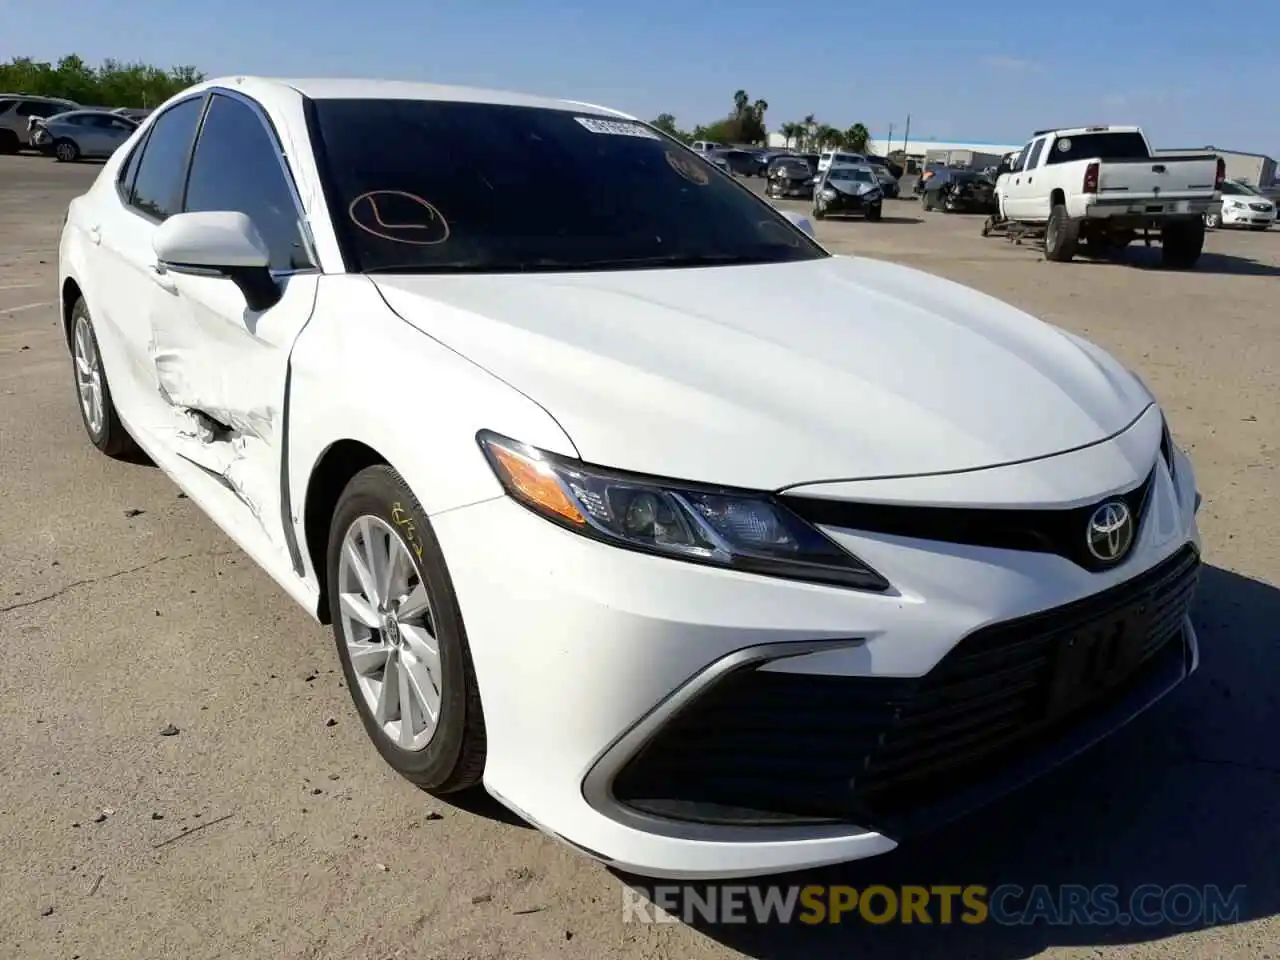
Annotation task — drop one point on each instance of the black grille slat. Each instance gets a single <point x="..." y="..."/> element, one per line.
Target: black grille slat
<point x="1060" y="532"/>
<point x="803" y="747"/>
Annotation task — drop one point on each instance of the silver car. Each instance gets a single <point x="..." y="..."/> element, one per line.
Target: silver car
<point x="82" y="133"/>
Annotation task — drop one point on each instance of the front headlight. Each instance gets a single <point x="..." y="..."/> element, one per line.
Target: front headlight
<point x="828" y="193"/>
<point x="734" y="529"/>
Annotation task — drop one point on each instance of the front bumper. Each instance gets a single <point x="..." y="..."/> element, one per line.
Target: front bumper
<point x="790" y="188"/>
<point x="1248" y="217"/>
<point x="843" y="203"/>
<point x="595" y="664"/>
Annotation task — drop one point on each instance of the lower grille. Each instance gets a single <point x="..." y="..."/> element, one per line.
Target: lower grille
<point x="768" y="747"/>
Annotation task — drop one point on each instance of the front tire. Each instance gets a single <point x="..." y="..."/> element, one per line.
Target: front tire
<point x="66" y="151"/>
<point x="874" y="212"/>
<point x="97" y="409"/>
<point x="1212" y="221"/>
<point x="400" y="635"/>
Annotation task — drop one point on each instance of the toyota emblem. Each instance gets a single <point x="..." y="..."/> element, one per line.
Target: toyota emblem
<point x="1110" y="532"/>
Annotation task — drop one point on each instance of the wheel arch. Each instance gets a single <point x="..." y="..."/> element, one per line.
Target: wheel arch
<point x="1057" y="196"/>
<point x="69" y="293"/>
<point x="341" y="461"/>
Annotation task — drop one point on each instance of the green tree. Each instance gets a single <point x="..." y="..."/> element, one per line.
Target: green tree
<point x="794" y="132"/>
<point x="857" y="138"/>
<point x="666" y="122"/>
<point x="826" y="136"/>
<point x="113" y="84"/>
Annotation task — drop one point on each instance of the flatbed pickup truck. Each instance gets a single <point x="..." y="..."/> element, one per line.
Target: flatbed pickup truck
<point x="1101" y="186"/>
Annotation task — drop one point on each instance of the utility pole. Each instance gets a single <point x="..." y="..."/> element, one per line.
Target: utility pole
<point x="888" y="149"/>
<point x="906" y="139"/>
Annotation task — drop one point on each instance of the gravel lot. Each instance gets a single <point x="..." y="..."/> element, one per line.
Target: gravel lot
<point x="263" y="830"/>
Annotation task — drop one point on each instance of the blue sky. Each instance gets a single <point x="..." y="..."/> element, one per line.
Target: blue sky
<point x="1192" y="73"/>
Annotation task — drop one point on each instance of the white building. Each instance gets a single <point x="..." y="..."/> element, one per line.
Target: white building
<point x="930" y="148"/>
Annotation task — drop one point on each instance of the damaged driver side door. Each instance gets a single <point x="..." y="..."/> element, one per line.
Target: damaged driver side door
<point x="220" y="346"/>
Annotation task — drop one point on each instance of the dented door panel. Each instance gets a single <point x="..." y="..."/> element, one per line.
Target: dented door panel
<point x="223" y="371"/>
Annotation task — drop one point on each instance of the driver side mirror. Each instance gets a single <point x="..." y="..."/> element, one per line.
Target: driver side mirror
<point x="219" y="243"/>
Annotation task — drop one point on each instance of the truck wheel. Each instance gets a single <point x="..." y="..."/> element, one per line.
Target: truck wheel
<point x="1181" y="243"/>
<point x="1060" y="235"/>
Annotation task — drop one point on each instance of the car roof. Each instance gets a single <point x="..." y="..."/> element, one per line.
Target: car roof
<point x="851" y="166"/>
<point x="368" y="89"/>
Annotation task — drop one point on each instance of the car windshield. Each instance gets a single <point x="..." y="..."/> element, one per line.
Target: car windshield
<point x="1239" y="189"/>
<point x="588" y="192"/>
<point x="862" y="175"/>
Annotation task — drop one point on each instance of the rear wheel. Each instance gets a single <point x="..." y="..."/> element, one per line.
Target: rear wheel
<point x="8" y="141"/>
<point x="97" y="410"/>
<point x="874" y="212"/>
<point x="1213" y="220"/>
<point x="1060" y="235"/>
<point x="1181" y="244"/>
<point x="66" y="151"/>
<point x="400" y="635"/>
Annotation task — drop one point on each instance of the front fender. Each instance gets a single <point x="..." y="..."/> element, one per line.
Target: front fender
<point x="359" y="372"/>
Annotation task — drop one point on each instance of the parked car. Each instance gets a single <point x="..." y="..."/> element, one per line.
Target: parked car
<point x="17" y="113"/>
<point x="742" y="163"/>
<point x="717" y="160"/>
<point x="789" y="177"/>
<point x="848" y="188"/>
<point x="568" y="494"/>
<point x="1242" y="206"/>
<point x="888" y="182"/>
<point x="952" y="190"/>
<point x="1102" y="186"/>
<point x="137" y="114"/>
<point x="707" y="146"/>
<point x="829" y="157"/>
<point x="927" y="174"/>
<point x="887" y="164"/>
<point x="82" y="134"/>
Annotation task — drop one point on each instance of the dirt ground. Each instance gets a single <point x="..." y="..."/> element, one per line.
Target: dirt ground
<point x="267" y="827"/>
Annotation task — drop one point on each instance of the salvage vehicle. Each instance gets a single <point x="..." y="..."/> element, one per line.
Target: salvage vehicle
<point x="81" y="134"/>
<point x="789" y="177"/>
<point x="845" y="189"/>
<point x="708" y="552"/>
<point x="1242" y="206"/>
<point x="888" y="182"/>
<point x="958" y="191"/>
<point x="1102" y="186"/>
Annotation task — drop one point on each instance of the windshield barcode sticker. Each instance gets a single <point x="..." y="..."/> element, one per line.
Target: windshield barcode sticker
<point x="619" y="128"/>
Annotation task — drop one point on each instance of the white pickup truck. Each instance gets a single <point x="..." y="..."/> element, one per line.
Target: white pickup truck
<point x="1101" y="186"/>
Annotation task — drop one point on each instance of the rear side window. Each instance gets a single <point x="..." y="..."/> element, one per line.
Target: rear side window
<point x="1104" y="146"/>
<point x="236" y="167"/>
<point x="162" y="168"/>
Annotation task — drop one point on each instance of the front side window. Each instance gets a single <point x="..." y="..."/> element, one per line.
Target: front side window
<point x="587" y="192"/>
<point x="1034" y="158"/>
<point x="236" y="167"/>
<point x="162" y="168"/>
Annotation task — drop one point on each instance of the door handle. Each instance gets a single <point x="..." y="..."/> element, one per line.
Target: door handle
<point x="160" y="275"/>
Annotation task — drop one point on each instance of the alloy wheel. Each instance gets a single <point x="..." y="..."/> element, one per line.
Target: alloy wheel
<point x="389" y="630"/>
<point x="89" y="376"/>
<point x="66" y="152"/>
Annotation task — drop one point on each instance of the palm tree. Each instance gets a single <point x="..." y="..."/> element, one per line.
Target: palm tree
<point x="857" y="138"/>
<point x="810" y="124"/>
<point x="793" y="132"/>
<point x="740" y="101"/>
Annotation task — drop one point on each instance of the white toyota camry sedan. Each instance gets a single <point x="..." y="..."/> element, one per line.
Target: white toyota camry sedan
<point x="704" y="550"/>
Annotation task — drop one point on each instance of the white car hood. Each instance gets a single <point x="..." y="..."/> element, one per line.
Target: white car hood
<point x="773" y="375"/>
